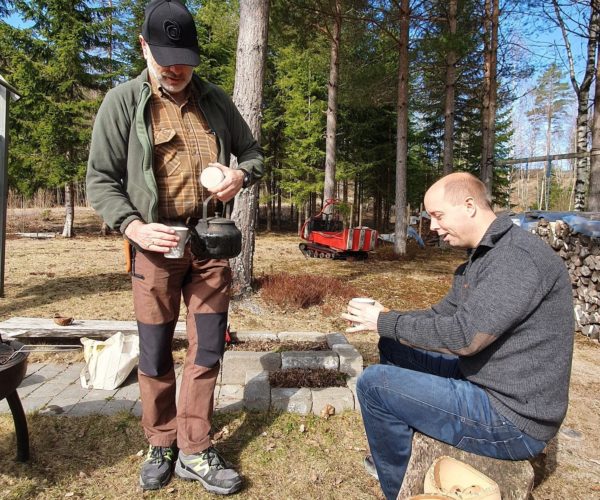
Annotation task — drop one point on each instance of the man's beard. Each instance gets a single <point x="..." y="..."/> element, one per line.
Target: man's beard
<point x="161" y="77"/>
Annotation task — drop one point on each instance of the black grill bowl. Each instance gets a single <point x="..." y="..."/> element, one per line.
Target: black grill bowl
<point x="13" y="372"/>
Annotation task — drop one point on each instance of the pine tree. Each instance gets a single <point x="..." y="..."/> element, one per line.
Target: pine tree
<point x="217" y="23"/>
<point x="57" y="65"/>
<point x="301" y="83"/>
<point x="551" y="99"/>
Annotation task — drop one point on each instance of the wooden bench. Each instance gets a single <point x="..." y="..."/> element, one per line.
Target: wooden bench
<point x="515" y="479"/>
<point x="45" y="329"/>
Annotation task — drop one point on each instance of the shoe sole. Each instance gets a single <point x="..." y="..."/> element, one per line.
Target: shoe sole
<point x="188" y="476"/>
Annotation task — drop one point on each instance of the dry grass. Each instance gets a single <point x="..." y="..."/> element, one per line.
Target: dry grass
<point x="84" y="277"/>
<point x="95" y="457"/>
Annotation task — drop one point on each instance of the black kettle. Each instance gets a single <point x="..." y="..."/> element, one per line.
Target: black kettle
<point x="215" y="237"/>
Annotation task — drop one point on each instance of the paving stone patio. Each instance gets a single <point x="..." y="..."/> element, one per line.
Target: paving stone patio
<point x="243" y="382"/>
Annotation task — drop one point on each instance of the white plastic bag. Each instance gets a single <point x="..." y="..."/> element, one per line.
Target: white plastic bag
<point x="109" y="362"/>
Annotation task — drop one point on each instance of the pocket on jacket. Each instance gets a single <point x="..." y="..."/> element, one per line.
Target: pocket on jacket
<point x="163" y="135"/>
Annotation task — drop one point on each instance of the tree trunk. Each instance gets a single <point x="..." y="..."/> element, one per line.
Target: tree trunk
<point x="69" y="211"/>
<point x="582" y="91"/>
<point x="490" y="90"/>
<point x="546" y="190"/>
<point x="449" y="103"/>
<point x="278" y="207"/>
<point x="402" y="130"/>
<point x="270" y="202"/>
<point x="514" y="478"/>
<point x="332" y="86"/>
<point x="593" y="204"/>
<point x="247" y="95"/>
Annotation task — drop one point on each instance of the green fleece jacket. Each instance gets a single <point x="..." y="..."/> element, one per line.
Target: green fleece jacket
<point x="120" y="178"/>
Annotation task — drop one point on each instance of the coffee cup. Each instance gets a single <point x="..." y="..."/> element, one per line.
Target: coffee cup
<point x="177" y="252"/>
<point x="211" y="176"/>
<point x="362" y="300"/>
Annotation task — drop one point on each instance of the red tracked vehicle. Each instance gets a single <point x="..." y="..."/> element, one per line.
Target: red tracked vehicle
<point x="327" y="238"/>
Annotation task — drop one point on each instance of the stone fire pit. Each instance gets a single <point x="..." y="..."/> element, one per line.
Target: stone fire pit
<point x="244" y="378"/>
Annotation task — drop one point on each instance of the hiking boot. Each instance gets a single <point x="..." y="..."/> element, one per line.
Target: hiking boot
<point x="370" y="466"/>
<point x="211" y="469"/>
<point x="157" y="468"/>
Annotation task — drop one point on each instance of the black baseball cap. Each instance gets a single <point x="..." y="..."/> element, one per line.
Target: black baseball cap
<point x="170" y="32"/>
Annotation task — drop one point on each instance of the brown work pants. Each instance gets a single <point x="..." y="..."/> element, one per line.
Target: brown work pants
<point x="158" y="284"/>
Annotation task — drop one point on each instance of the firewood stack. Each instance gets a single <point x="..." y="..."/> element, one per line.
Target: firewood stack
<point x="581" y="254"/>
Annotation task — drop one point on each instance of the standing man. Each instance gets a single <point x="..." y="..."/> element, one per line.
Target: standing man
<point x="487" y="368"/>
<point x="152" y="138"/>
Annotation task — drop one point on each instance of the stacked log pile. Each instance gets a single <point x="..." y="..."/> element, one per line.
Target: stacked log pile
<point x="581" y="254"/>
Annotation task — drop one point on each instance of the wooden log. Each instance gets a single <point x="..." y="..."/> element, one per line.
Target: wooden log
<point x="515" y="479"/>
<point x="562" y="230"/>
<point x="591" y="331"/>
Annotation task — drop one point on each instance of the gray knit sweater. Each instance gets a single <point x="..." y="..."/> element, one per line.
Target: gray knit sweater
<point x="509" y="318"/>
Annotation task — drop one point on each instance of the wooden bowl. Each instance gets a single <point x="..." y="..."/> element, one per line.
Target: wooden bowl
<point x="63" y="320"/>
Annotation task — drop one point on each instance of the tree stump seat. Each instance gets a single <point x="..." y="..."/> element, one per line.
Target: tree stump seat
<point x="515" y="478"/>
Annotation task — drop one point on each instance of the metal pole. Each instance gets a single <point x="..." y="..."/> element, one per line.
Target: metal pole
<point x="4" y="104"/>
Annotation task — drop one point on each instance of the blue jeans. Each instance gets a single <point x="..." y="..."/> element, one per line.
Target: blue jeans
<point x="419" y="390"/>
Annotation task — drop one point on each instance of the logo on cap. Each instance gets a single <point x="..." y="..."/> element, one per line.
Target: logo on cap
<point x="172" y="29"/>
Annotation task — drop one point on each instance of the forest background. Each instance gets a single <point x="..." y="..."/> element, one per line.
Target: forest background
<point x="485" y="81"/>
<point x="413" y="89"/>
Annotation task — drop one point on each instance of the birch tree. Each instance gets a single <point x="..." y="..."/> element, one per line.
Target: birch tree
<point x="593" y="202"/>
<point x="247" y="95"/>
<point x="582" y="91"/>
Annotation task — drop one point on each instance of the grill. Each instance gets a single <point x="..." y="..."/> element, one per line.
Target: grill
<point x="13" y="366"/>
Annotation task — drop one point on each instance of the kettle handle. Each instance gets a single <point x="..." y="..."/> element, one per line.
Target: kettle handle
<point x="226" y="208"/>
<point x="205" y="206"/>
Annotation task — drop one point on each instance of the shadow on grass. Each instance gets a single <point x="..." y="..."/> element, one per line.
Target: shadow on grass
<point x="67" y="450"/>
<point x="56" y="288"/>
<point x="253" y="425"/>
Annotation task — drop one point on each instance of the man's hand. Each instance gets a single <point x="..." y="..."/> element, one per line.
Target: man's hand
<point x="153" y="237"/>
<point x="363" y="316"/>
<point x="231" y="185"/>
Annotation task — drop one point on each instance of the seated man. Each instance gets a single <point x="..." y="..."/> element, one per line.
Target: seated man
<point x="487" y="368"/>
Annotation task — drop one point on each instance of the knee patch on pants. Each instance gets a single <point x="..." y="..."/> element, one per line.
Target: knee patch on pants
<point x="156" y="358"/>
<point x="210" y="332"/>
